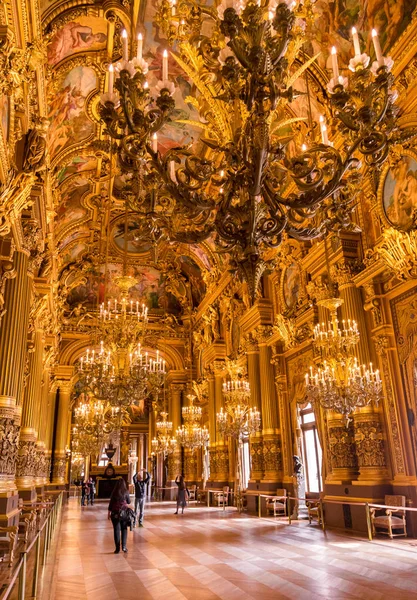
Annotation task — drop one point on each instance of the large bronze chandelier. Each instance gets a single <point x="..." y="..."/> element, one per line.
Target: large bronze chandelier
<point x="245" y="184"/>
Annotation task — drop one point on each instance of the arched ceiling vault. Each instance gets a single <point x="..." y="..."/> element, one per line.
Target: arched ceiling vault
<point x="83" y="38"/>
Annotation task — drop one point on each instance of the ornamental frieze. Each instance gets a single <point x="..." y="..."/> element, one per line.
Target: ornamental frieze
<point x="272" y="455"/>
<point x="369" y="444"/>
<point x="257" y="456"/>
<point x="9" y="445"/>
<point x="342" y="447"/>
<point x="27" y="459"/>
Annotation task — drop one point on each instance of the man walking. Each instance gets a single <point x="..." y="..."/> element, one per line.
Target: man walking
<point x="140" y="493"/>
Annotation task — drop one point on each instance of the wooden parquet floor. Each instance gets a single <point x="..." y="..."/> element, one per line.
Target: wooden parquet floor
<point x="207" y="554"/>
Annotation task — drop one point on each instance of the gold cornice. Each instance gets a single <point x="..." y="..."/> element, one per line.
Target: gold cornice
<point x="260" y="314"/>
<point x="213" y="352"/>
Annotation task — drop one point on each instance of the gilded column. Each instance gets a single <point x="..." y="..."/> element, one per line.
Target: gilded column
<point x="256" y="447"/>
<point x="222" y="448"/>
<point x="42" y="461"/>
<point x="13" y="333"/>
<point x="27" y="460"/>
<point x="175" y="405"/>
<point x="49" y="428"/>
<point x="63" y="420"/>
<point x="284" y="417"/>
<point x="272" y="464"/>
<point x="370" y="447"/>
<point x="212" y="426"/>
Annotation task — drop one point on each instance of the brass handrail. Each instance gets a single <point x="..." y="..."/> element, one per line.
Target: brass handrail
<point x="19" y="574"/>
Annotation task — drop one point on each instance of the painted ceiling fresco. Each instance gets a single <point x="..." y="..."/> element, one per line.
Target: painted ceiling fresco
<point x="77" y="58"/>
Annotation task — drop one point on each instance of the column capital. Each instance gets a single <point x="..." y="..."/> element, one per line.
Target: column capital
<point x="344" y="271"/>
<point x="64" y="385"/>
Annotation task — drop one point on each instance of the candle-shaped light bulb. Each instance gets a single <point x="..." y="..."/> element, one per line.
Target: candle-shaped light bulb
<point x="140" y="46"/>
<point x="356" y="43"/>
<point x="173" y="7"/>
<point x="165" y="66"/>
<point x="303" y="147"/>
<point x="111" y="79"/>
<point x="377" y="46"/>
<point x="335" y="66"/>
<point x="146" y="85"/>
<point x="125" y="45"/>
<point x="155" y="142"/>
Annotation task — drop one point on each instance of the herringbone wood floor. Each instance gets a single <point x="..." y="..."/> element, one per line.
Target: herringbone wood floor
<point x="207" y="554"/>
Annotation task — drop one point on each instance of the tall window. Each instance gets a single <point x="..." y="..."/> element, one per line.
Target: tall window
<point x="312" y="453"/>
<point x="245" y="462"/>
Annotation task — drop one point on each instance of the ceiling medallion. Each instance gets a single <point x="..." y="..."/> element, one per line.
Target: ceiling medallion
<point x="249" y="187"/>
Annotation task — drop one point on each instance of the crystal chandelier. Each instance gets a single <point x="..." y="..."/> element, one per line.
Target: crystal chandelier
<point x="94" y="421"/>
<point x="156" y="374"/>
<point x="335" y="337"/>
<point x="341" y="384"/>
<point x="95" y="371"/>
<point x="118" y="377"/>
<point x="163" y="442"/>
<point x="251" y="188"/>
<point x="238" y="420"/>
<point x="191" y="435"/>
<point x="122" y="323"/>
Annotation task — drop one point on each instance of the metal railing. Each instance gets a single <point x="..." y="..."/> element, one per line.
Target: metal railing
<point x="41" y="548"/>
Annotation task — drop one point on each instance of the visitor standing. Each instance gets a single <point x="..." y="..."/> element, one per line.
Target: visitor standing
<point x="140" y="494"/>
<point x="182" y="495"/>
<point x="92" y="491"/>
<point x="85" y="492"/>
<point x="118" y="507"/>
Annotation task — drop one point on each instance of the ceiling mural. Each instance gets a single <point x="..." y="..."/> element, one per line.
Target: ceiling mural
<point x="149" y="289"/>
<point x="73" y="253"/>
<point x="69" y="121"/>
<point x="85" y="33"/>
<point x="70" y="208"/>
<point x="77" y="165"/>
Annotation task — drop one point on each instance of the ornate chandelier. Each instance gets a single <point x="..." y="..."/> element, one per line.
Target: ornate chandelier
<point x="122" y="323"/>
<point x="163" y="442"/>
<point x="94" y="421"/>
<point x="341" y="384"/>
<point x="156" y="374"/>
<point x="238" y="420"/>
<point x="251" y="188"/>
<point x="118" y="377"/>
<point x="191" y="435"/>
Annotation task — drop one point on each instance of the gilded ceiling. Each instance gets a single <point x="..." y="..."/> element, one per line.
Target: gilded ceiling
<point x="82" y="41"/>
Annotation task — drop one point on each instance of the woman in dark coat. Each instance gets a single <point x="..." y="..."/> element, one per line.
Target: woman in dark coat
<point x="119" y="499"/>
<point x="182" y="493"/>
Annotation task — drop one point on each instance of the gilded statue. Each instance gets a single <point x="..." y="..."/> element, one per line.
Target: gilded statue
<point x="34" y="153"/>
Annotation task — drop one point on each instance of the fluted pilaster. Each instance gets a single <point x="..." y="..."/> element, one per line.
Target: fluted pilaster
<point x="272" y="463"/>
<point x="27" y="461"/>
<point x="256" y="447"/>
<point x="370" y="446"/>
<point x="13" y="332"/>
<point x="63" y="421"/>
